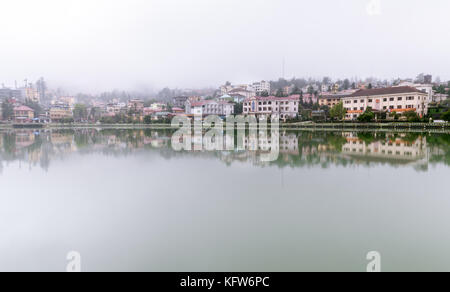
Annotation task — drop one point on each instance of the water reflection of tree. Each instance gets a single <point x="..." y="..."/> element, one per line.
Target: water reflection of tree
<point x="324" y="149"/>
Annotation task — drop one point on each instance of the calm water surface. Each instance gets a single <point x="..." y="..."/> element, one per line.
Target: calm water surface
<point x="128" y="202"/>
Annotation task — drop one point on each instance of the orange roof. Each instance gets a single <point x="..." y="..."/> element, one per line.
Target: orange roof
<point x="402" y="110"/>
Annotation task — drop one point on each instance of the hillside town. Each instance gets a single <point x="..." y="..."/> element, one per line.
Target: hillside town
<point x="414" y="100"/>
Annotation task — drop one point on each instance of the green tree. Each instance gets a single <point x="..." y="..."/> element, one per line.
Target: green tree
<point x="80" y="112"/>
<point x="338" y="111"/>
<point x="7" y="110"/>
<point x="280" y="93"/>
<point x="148" y="120"/>
<point x="367" y="117"/>
<point x="446" y="116"/>
<point x="370" y="86"/>
<point x="34" y="106"/>
<point x="412" y="117"/>
<point x="264" y="94"/>
<point x="239" y="108"/>
<point x="346" y="84"/>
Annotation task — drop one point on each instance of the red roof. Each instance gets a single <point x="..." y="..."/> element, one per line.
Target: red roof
<point x="384" y="91"/>
<point x="23" y="108"/>
<point x="274" y="98"/>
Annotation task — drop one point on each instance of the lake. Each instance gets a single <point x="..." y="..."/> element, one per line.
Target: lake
<point x="126" y="201"/>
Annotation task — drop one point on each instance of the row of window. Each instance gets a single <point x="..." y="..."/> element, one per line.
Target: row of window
<point x="270" y="103"/>
<point x="408" y="98"/>
<point x="265" y="109"/>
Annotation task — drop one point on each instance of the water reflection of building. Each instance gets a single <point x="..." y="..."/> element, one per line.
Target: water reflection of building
<point x="24" y="139"/>
<point x="287" y="143"/>
<point x="391" y="148"/>
<point x="296" y="149"/>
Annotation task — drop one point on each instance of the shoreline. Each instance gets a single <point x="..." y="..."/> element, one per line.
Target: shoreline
<point x="333" y="127"/>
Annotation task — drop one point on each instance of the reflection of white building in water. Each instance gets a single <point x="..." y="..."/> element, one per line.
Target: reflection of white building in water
<point x="389" y="149"/>
<point x="287" y="143"/>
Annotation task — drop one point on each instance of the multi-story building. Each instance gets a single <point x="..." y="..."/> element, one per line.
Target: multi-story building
<point x="391" y="99"/>
<point x="60" y="112"/>
<point x="428" y="88"/>
<point x="31" y="94"/>
<point x="158" y="106"/>
<point x="209" y="107"/>
<point x="282" y="107"/>
<point x="180" y="101"/>
<point x="113" y="109"/>
<point x="136" y="105"/>
<point x="23" y="114"/>
<point x="10" y="93"/>
<point x="330" y="100"/>
<point x="260" y="87"/>
<point x="439" y="97"/>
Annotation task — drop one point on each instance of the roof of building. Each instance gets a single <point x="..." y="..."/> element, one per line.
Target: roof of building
<point x="274" y="98"/>
<point x="205" y="102"/>
<point x="385" y="91"/>
<point x="333" y="96"/>
<point x="23" y="108"/>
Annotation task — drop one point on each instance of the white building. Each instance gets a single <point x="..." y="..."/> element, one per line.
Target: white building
<point x="283" y="107"/>
<point x="392" y="99"/>
<point x="428" y="88"/>
<point x="260" y="87"/>
<point x="209" y="107"/>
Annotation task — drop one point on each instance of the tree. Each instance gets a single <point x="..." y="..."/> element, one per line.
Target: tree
<point x="280" y="93"/>
<point x="441" y="89"/>
<point x="7" y="110"/>
<point x="238" y="108"/>
<point x="34" y="106"/>
<point x="412" y="117"/>
<point x="264" y="94"/>
<point x="370" y="86"/>
<point x="446" y="116"/>
<point x="148" y="120"/>
<point x="338" y="111"/>
<point x="346" y="84"/>
<point x="80" y="112"/>
<point x="367" y="117"/>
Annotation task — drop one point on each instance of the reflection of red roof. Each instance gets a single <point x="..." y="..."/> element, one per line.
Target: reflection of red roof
<point x="177" y="109"/>
<point x="23" y="108"/>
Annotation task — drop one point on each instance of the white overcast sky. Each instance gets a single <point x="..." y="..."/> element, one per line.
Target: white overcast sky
<point x="124" y="44"/>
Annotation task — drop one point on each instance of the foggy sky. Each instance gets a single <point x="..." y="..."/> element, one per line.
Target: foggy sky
<point x="124" y="44"/>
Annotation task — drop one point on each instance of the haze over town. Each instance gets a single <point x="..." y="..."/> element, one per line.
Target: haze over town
<point x="146" y="45"/>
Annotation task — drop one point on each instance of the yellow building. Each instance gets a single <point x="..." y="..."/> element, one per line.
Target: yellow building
<point x="59" y="113"/>
<point x="23" y="114"/>
<point x="330" y="100"/>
